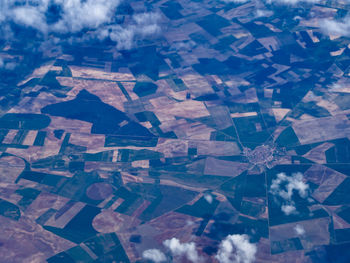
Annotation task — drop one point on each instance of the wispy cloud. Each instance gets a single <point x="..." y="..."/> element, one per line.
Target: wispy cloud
<point x="7" y="65"/>
<point x="236" y="249"/>
<point x="284" y="186"/>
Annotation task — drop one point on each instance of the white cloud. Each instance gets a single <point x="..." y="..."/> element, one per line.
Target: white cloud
<point x="154" y="255"/>
<point x="294" y="182"/>
<point x="124" y="36"/>
<point x="284" y="186"/>
<point x="286" y="2"/>
<point x="179" y="249"/>
<point x="292" y="2"/>
<point x="289" y="209"/>
<point x="299" y="230"/>
<point x="263" y="13"/>
<point x="144" y="25"/>
<point x="29" y="16"/>
<point x="235" y="1"/>
<point x="96" y="16"/>
<point x="236" y="249"/>
<point x="336" y="27"/>
<point x="208" y="198"/>
<point x="233" y="249"/>
<point x="76" y="14"/>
